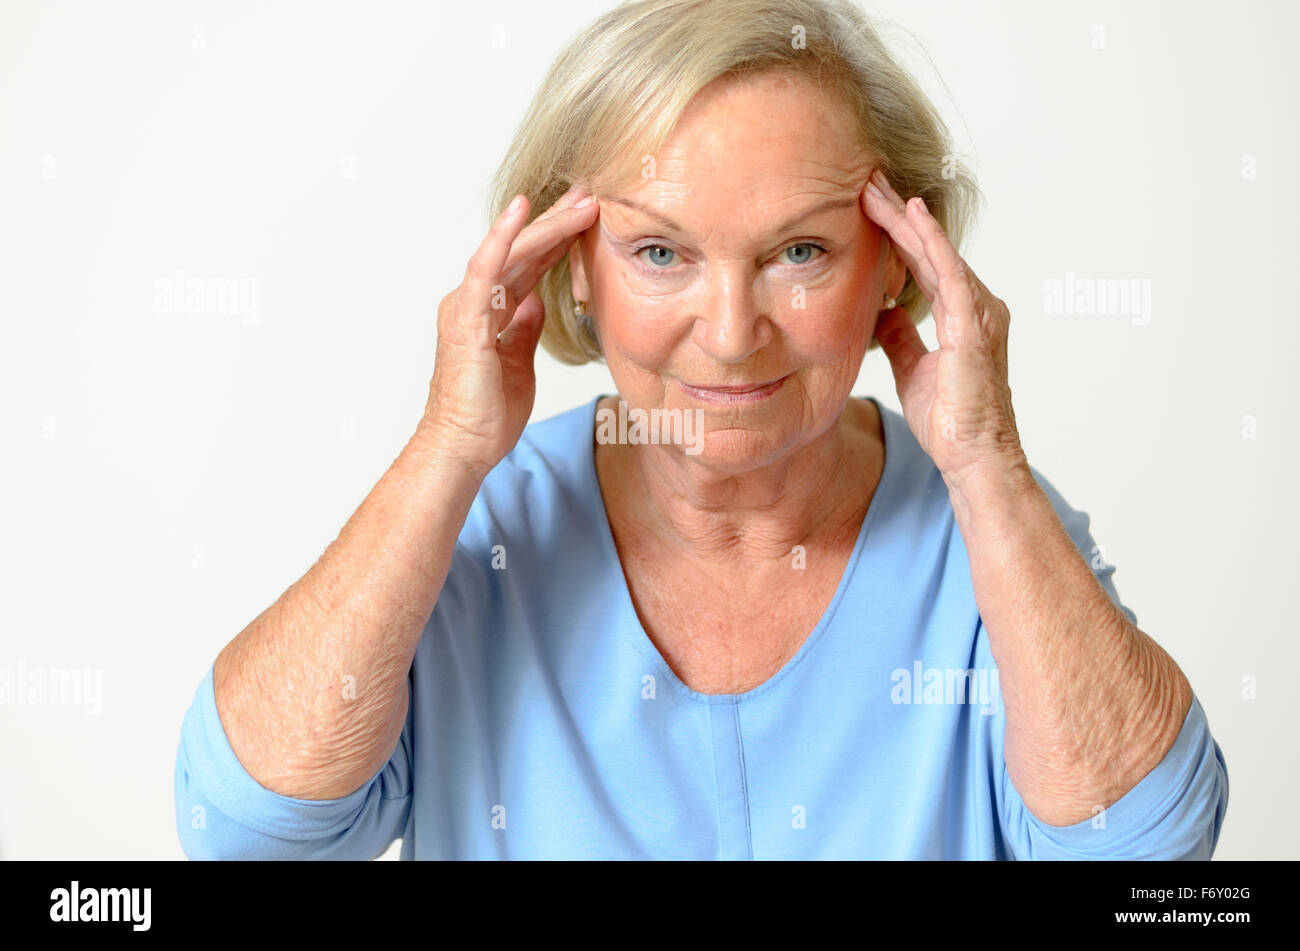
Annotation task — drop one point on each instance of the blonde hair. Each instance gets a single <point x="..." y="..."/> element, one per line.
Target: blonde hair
<point x="615" y="92"/>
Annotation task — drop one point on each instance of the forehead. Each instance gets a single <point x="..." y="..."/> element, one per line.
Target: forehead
<point x="756" y="149"/>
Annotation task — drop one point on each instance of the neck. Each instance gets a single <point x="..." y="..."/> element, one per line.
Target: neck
<point x="813" y="494"/>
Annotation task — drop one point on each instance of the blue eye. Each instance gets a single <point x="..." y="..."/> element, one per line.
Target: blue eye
<point x="657" y="247"/>
<point x="661" y="257"/>
<point x="811" y="247"/>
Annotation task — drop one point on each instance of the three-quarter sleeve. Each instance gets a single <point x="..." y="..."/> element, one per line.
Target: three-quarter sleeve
<point x="1176" y="811"/>
<point x="222" y="812"/>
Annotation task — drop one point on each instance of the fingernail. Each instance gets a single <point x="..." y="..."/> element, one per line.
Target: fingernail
<point x="871" y="187"/>
<point x="585" y="202"/>
<point x="515" y="206"/>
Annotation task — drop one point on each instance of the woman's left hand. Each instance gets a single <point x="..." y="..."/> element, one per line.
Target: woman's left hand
<point x="956" y="400"/>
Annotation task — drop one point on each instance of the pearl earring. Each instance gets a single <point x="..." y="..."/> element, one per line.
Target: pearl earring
<point x="890" y="303"/>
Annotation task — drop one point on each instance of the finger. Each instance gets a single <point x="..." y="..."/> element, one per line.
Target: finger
<point x="525" y="278"/>
<point x="540" y="234"/>
<point x="478" y="300"/>
<point x="893" y="219"/>
<point x="542" y="244"/>
<point x="957" y="285"/>
<point x="901" y="342"/>
<point x="885" y="208"/>
<point x="518" y="342"/>
<point x="567" y="200"/>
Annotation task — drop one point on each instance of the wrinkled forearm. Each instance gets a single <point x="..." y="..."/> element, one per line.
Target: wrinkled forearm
<point x="1092" y="703"/>
<point x="313" y="694"/>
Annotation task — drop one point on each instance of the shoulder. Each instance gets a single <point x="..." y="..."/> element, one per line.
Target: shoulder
<point x="542" y="481"/>
<point x="912" y="493"/>
<point x="1076" y="521"/>
<point x="917" y="482"/>
<point x="552" y="451"/>
<point x="535" y="502"/>
<point x="1078" y="525"/>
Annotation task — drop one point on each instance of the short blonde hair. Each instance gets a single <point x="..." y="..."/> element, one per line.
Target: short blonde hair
<point x="615" y="92"/>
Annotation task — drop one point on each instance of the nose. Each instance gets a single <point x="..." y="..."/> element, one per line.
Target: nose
<point x="736" y="324"/>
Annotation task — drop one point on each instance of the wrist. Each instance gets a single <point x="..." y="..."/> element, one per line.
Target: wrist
<point x="997" y="481"/>
<point x="437" y="450"/>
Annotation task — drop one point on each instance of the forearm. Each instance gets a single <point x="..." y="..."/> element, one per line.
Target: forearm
<point x="313" y="694"/>
<point x="1092" y="703"/>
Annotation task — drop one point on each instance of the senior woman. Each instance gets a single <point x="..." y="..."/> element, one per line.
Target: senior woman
<point x="817" y="629"/>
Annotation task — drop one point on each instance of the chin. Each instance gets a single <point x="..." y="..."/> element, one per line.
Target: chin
<point x="733" y="451"/>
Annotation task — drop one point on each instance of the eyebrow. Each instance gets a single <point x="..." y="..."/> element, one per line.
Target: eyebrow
<point x="782" y="228"/>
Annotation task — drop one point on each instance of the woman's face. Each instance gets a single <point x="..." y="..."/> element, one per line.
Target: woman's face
<point x="742" y="258"/>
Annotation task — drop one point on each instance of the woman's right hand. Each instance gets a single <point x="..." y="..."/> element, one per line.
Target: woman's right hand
<point x="483" y="386"/>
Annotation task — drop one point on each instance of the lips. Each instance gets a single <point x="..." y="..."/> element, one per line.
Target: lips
<point x="736" y="393"/>
<point x="747" y="388"/>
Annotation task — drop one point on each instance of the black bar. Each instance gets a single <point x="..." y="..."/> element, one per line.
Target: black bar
<point x="669" y="900"/>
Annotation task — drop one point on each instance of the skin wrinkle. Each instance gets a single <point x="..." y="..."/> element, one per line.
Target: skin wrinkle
<point x="321" y="757"/>
<point x="768" y="540"/>
<point x="1097" y="750"/>
<point x="713" y="532"/>
<point x="1091" y="736"/>
<point x="728" y="260"/>
<point x="834" y="202"/>
<point x="1158" y="679"/>
<point x="1086" y="714"/>
<point x="1076" y="692"/>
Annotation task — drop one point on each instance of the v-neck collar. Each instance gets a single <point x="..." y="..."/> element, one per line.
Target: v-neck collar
<point x="627" y="610"/>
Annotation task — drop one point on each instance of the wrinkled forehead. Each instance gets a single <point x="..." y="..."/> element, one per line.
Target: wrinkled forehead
<point x="702" y="201"/>
<point x="744" y="161"/>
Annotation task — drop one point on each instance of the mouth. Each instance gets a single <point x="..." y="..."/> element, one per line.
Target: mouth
<point x="732" y="395"/>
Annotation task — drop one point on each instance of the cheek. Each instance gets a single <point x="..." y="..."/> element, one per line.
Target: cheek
<point x="834" y="326"/>
<point x="825" y="314"/>
<point x="636" y="330"/>
<point x="640" y="318"/>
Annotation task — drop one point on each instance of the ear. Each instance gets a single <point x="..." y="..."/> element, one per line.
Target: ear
<point x="895" y="274"/>
<point x="578" y="272"/>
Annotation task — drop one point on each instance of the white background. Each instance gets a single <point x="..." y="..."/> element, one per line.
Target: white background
<point x="164" y="478"/>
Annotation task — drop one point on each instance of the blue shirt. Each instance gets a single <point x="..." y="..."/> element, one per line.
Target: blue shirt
<point x="544" y="723"/>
